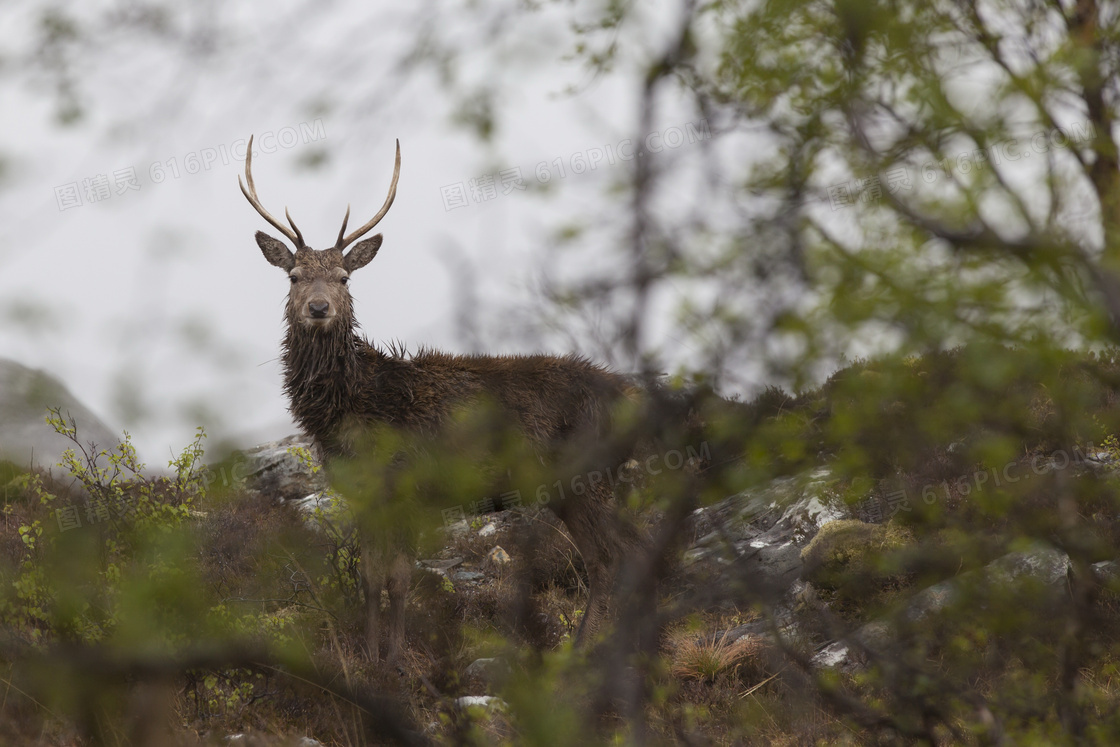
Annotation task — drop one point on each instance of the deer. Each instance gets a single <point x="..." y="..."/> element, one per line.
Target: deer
<point x="338" y="385"/>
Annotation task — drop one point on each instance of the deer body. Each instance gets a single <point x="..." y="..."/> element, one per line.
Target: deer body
<point x="551" y="398"/>
<point x="338" y="384"/>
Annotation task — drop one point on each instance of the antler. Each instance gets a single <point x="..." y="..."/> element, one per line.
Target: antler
<point x="342" y="243"/>
<point x="292" y="233"/>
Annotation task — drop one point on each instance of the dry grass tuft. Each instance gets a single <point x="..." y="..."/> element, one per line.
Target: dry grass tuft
<point x="707" y="658"/>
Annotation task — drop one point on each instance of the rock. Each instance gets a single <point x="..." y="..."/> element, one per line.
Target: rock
<point x="467" y="576"/>
<point x="441" y="565"/>
<point x="497" y="556"/>
<point x="801" y="504"/>
<point x="839" y="541"/>
<point x="845" y="550"/>
<point x="931" y="599"/>
<point x="324" y="510"/>
<point x="1106" y="572"/>
<point x="1102" y="460"/>
<point x="489" y="702"/>
<point x="289" y="470"/>
<point x="491" y="672"/>
<point x="834" y="655"/>
<point x="25" y="437"/>
<point x="487" y="530"/>
<point x="456" y="528"/>
<point x="759" y="534"/>
<point x="1043" y="563"/>
<point x="1046" y="564"/>
<point x="254" y="740"/>
<point x="316" y="501"/>
<point x="774" y="560"/>
<point x="798" y="601"/>
<point x="286" y="468"/>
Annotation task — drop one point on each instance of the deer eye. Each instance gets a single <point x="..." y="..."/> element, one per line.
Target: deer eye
<point x="344" y="280"/>
<point x="293" y="278"/>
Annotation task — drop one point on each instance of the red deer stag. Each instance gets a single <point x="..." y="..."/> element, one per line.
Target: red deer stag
<point x="337" y="382"/>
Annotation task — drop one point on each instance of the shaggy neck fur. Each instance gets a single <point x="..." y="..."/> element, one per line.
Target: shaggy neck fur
<point x="324" y="369"/>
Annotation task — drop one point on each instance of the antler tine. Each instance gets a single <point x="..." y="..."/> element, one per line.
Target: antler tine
<point x="345" y="242"/>
<point x="342" y="231"/>
<point x="292" y="233"/>
<point x="292" y="223"/>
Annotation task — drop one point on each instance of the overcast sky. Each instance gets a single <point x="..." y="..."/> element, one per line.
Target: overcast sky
<point x="154" y="305"/>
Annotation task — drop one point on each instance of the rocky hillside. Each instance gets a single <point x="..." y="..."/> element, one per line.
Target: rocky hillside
<point x="870" y="562"/>
<point x="25" y="437"/>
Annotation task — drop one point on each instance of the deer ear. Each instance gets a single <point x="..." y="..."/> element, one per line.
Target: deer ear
<point x="362" y="253"/>
<point x="275" y="252"/>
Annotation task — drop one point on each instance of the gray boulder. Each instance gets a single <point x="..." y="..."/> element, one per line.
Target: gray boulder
<point x="288" y="469"/>
<point x="759" y="534"/>
<point x="1042" y="563"/>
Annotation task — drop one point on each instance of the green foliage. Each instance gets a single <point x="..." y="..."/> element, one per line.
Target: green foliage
<point x="545" y="720"/>
<point x="69" y="588"/>
<point x="111" y="568"/>
<point x="306" y="458"/>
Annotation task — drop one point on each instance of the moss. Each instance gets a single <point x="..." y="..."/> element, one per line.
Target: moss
<point x="840" y="542"/>
<point x="852" y="561"/>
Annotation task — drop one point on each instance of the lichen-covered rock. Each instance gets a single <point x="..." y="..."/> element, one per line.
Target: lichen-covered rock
<point x="849" y="547"/>
<point x="759" y="534"/>
<point x="287" y="469"/>
<point x="1043" y="564"/>
<point x="497" y="557"/>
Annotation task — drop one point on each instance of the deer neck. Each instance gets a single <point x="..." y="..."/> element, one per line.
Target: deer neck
<point x="322" y="368"/>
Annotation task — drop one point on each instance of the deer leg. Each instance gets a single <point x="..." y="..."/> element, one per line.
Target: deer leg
<point x="400" y="574"/>
<point x="600" y="602"/>
<point x="373" y="580"/>
<point x="603" y="543"/>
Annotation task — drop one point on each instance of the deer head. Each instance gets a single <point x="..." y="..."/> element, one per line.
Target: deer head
<point x="319" y="296"/>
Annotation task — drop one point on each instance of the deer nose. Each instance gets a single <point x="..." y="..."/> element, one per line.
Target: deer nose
<point x="318" y="309"/>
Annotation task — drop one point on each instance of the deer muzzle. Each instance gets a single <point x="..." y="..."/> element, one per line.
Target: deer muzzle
<point x="318" y="312"/>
